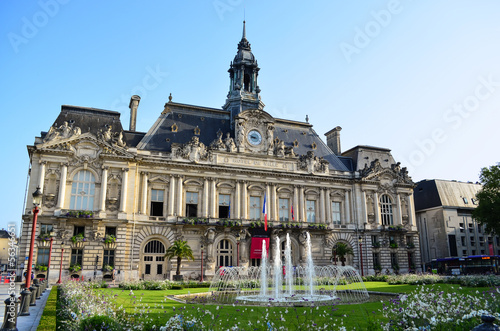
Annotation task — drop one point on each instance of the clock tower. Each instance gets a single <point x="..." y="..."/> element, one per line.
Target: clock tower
<point x="244" y="92"/>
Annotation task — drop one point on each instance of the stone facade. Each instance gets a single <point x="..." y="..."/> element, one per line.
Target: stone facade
<point x="202" y="175"/>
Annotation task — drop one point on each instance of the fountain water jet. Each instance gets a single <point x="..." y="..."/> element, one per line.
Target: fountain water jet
<point x="308" y="285"/>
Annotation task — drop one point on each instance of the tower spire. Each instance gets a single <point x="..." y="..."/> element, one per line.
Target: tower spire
<point x="244" y="31"/>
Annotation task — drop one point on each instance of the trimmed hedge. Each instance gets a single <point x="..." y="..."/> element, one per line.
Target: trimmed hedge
<point x="49" y="318"/>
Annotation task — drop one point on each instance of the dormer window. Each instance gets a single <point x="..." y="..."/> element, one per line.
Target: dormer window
<point x="465" y="200"/>
<point x="174" y="127"/>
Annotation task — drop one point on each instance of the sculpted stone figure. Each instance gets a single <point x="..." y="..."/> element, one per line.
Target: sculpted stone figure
<point x="240" y="134"/>
<point x="64" y="131"/>
<point x="229" y="142"/>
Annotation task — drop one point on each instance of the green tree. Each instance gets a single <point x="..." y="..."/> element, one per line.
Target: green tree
<point x="179" y="249"/>
<point x="487" y="212"/>
<point x="341" y="250"/>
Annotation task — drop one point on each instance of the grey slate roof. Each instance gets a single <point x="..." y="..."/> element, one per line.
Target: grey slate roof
<point x="446" y="193"/>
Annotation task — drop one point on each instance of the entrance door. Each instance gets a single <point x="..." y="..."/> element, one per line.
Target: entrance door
<point x="153" y="261"/>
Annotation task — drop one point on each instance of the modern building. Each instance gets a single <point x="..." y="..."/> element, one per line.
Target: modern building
<point x="446" y="226"/>
<point x="210" y="176"/>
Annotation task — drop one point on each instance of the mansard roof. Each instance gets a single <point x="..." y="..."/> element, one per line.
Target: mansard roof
<point x="431" y="193"/>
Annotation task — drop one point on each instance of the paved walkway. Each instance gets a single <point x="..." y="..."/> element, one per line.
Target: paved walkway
<point x="24" y="323"/>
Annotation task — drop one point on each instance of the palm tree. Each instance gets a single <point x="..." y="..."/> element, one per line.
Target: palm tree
<point x="341" y="250"/>
<point x="179" y="249"/>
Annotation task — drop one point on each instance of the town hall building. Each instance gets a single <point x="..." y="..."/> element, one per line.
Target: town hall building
<point x="117" y="198"/>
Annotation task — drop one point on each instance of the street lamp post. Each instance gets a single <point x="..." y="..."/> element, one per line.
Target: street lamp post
<point x="60" y="267"/>
<point x="238" y="249"/>
<point x="96" y="264"/>
<point x="360" y="240"/>
<point x="50" y="257"/>
<point x="201" y="278"/>
<point x="37" y="200"/>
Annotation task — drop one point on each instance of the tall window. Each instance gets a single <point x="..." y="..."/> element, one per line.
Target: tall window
<point x="284" y="214"/>
<point x="78" y="230"/>
<point x="224" y="253"/>
<point x="386" y="210"/>
<point x="336" y="212"/>
<point x="394" y="261"/>
<point x="77" y="256"/>
<point x="108" y="257"/>
<point x="157" y="197"/>
<point x="376" y="260"/>
<point x="255" y="209"/>
<point x="224" y="206"/>
<point x="311" y="210"/>
<point x="82" y="191"/>
<point x="191" y="204"/>
<point x="43" y="256"/>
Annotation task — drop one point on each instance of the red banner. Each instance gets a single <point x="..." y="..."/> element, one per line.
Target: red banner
<point x="492" y="252"/>
<point x="256" y="248"/>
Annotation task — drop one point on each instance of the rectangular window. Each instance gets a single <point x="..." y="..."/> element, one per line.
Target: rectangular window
<point x="110" y="231"/>
<point x="77" y="256"/>
<point x="46" y="228"/>
<point x="375" y="242"/>
<point x="464" y="252"/>
<point x="191" y="204"/>
<point x="157" y="202"/>
<point x="78" y="229"/>
<point x="471" y="228"/>
<point x="452" y="245"/>
<point x="336" y="212"/>
<point x="461" y="227"/>
<point x="255" y="209"/>
<point x="479" y="228"/>
<point x="148" y="269"/>
<point x="43" y="256"/>
<point x="394" y="260"/>
<point x="159" y="269"/>
<point x="311" y="211"/>
<point x="224" y="206"/>
<point x="376" y="260"/>
<point x="462" y="239"/>
<point x="284" y="210"/>
<point x="465" y="200"/>
<point x="108" y="257"/>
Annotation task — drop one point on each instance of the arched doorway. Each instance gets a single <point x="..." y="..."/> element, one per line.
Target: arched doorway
<point x="154" y="265"/>
<point x="224" y="253"/>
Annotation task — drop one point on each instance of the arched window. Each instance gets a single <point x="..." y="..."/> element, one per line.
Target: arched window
<point x="154" y="258"/>
<point x="82" y="191"/>
<point x="224" y="253"/>
<point x="154" y="247"/>
<point x="386" y="210"/>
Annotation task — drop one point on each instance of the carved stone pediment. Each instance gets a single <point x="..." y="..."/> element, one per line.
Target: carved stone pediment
<point x="313" y="164"/>
<point x="387" y="176"/>
<point x="194" y="150"/>
<point x="255" y="132"/>
<point x="64" y="131"/>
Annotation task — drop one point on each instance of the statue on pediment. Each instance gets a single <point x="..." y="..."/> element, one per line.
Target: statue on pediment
<point x="194" y="150"/>
<point x="105" y="134"/>
<point x="313" y="164"/>
<point x="229" y="142"/>
<point x="218" y="144"/>
<point x="279" y="150"/>
<point x="240" y="134"/>
<point x="270" y="137"/>
<point x="64" y="131"/>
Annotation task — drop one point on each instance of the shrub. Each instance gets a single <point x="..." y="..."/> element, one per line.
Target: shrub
<point x="99" y="322"/>
<point x="177" y="287"/>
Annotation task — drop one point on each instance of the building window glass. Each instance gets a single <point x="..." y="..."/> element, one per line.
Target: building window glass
<point x="386" y="210"/>
<point x="336" y="212"/>
<point x="462" y="239"/>
<point x="46" y="228"/>
<point x="157" y="202"/>
<point x="82" y="191"/>
<point x="110" y="231"/>
<point x="224" y="253"/>
<point x="255" y="209"/>
<point x="283" y="206"/>
<point x="43" y="256"/>
<point x="191" y="204"/>
<point x="461" y="225"/>
<point x="108" y="257"/>
<point x="224" y="206"/>
<point x="376" y="260"/>
<point x="311" y="210"/>
<point x="394" y="261"/>
<point x="77" y="256"/>
<point x="78" y="230"/>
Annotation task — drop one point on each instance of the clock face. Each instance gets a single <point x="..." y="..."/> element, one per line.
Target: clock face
<point x="254" y="137"/>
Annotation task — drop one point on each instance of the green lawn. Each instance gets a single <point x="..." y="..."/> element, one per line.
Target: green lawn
<point x="353" y="316"/>
<point x="48" y="319"/>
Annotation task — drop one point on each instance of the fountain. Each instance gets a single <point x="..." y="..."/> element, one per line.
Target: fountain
<point x="286" y="285"/>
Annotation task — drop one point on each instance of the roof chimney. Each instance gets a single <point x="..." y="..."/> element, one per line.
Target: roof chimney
<point x="333" y="140"/>
<point x="133" y="105"/>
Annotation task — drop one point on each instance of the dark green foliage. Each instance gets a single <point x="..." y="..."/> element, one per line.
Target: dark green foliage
<point x="488" y="210"/>
<point x="99" y="322"/>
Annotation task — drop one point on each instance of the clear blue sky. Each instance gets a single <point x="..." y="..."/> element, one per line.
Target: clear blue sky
<point x="419" y="77"/>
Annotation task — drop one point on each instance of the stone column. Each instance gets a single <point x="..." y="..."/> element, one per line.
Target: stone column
<point x="171" y="196"/>
<point x="399" y="216"/>
<point x="302" y="204"/>
<point x="144" y="198"/>
<point x="328" y="206"/>
<point x="365" y="207"/>
<point x="244" y="200"/>
<point x="411" y="210"/>
<point x="41" y="177"/>
<point x="104" y="187"/>
<point x="273" y="203"/>
<point x="296" y="203"/>
<point x="179" y="195"/>
<point x="62" y="186"/>
<point x="347" y="207"/>
<point x="322" y="205"/>
<point x="376" y="208"/>
<point x="237" y="201"/>
<point x="268" y="202"/>
<point x="213" y="200"/>
<point x="123" y="200"/>
<point x="204" y="206"/>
